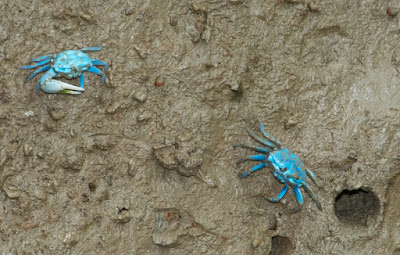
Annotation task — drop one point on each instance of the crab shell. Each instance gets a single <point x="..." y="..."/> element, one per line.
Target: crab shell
<point x="71" y="63"/>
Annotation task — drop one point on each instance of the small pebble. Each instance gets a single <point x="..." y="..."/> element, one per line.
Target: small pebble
<point x="12" y="191"/>
<point x="141" y="52"/>
<point x="255" y="242"/>
<point x="50" y="126"/>
<point x="144" y="116"/>
<point x="27" y="149"/>
<point x="86" y="16"/>
<point x="103" y="142"/>
<point x="114" y="107"/>
<point x="57" y="114"/>
<point x="71" y="238"/>
<point x="129" y="11"/>
<point x="110" y="78"/>
<point x="210" y="182"/>
<point x="392" y="11"/>
<point x="353" y="155"/>
<point x="173" y="21"/>
<point x="160" y="81"/>
<point x="29" y="113"/>
<point x="291" y="122"/>
<point x="108" y="179"/>
<point x="140" y="95"/>
<point x="123" y="217"/>
<point x="132" y="167"/>
<point x="233" y="84"/>
<point x="72" y="159"/>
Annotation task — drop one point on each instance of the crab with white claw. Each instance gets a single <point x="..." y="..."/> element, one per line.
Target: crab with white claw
<point x="286" y="167"/>
<point x="70" y="64"/>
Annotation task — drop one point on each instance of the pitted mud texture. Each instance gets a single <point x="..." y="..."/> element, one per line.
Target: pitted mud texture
<point x="84" y="174"/>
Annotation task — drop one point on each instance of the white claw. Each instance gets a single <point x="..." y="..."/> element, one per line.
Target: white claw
<point x="56" y="86"/>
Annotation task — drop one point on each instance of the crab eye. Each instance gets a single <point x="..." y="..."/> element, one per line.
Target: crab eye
<point x="74" y="69"/>
<point x="88" y="65"/>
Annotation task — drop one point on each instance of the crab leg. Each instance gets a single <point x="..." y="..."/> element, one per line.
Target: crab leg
<point x="82" y="80"/>
<point x="91" y="49"/>
<point x="254" y="148"/>
<point x="312" y="195"/>
<point x="42" y="69"/>
<point x="252" y="157"/>
<point x="35" y="65"/>
<point x="299" y="198"/>
<point x="260" y="139"/>
<point x="100" y="63"/>
<point x="253" y="169"/>
<point x="95" y="70"/>
<point x="42" y="58"/>
<point x="48" y="85"/>
<point x="314" y="178"/>
<point x="280" y="196"/>
<point x="269" y="136"/>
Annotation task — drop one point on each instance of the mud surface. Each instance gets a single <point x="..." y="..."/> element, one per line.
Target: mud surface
<point x="133" y="168"/>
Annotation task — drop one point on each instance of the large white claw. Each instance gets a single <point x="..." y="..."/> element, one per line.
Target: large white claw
<point x="56" y="86"/>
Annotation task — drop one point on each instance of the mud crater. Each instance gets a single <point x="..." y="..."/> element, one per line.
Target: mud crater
<point x="354" y="207"/>
<point x="280" y="245"/>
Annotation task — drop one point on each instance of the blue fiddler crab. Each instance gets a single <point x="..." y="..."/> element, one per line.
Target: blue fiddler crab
<point x="286" y="167"/>
<point x="69" y="64"/>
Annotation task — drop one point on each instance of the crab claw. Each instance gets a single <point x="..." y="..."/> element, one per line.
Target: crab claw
<point x="56" y="86"/>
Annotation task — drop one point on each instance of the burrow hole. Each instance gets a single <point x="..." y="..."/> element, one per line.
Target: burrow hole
<point x="354" y="207"/>
<point x="280" y="246"/>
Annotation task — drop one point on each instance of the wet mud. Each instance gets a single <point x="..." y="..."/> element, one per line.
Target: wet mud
<point x="145" y="163"/>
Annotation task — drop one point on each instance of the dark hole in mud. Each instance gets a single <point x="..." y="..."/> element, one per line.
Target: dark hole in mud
<point x="353" y="207"/>
<point x="237" y="94"/>
<point x="280" y="245"/>
<point x="92" y="186"/>
<point x="120" y="210"/>
<point x="85" y="198"/>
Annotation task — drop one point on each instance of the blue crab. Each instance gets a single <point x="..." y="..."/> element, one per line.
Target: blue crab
<point x="286" y="167"/>
<point x="69" y="64"/>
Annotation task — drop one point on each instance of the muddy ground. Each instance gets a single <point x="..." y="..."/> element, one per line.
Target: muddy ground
<point x="132" y="168"/>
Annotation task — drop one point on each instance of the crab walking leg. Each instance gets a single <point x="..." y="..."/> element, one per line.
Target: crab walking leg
<point x="260" y="139"/>
<point x="42" y="58"/>
<point x="269" y="136"/>
<point x="253" y="158"/>
<point x="314" y="178"/>
<point x="42" y="69"/>
<point x="95" y="70"/>
<point x="100" y="63"/>
<point x="253" y="169"/>
<point x="35" y="65"/>
<point x="82" y="80"/>
<point x="91" y="49"/>
<point x="312" y="195"/>
<point x="280" y="196"/>
<point x="299" y="198"/>
<point x="254" y="148"/>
